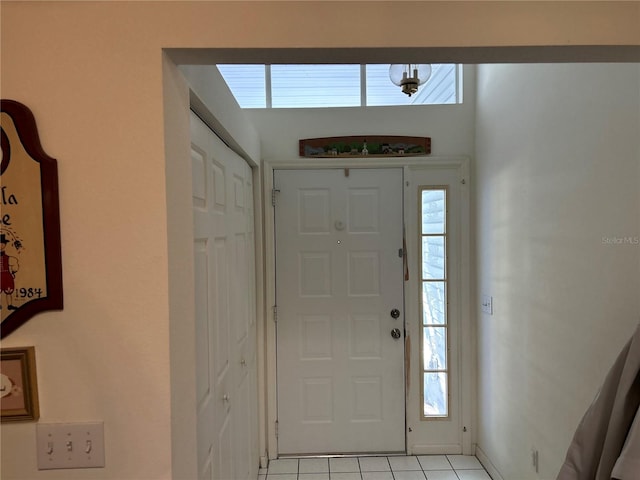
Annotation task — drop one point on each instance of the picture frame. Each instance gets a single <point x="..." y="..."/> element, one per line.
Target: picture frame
<point x="359" y="146"/>
<point x="18" y="385"/>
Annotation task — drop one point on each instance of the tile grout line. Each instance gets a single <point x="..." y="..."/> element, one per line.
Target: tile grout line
<point x="393" y="476"/>
<point x="360" y="472"/>
<point x="454" y="470"/>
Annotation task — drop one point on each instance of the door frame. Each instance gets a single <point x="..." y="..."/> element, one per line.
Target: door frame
<point x="467" y="327"/>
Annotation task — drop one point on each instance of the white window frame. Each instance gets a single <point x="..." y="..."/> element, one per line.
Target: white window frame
<point x="417" y="430"/>
<point x="422" y="280"/>
<point x="268" y="92"/>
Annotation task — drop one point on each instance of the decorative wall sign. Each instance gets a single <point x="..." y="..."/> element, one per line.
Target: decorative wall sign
<point x="30" y="262"/>
<point x="18" y="385"/>
<point x="365" y="146"/>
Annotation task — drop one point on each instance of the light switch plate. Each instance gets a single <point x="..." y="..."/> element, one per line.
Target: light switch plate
<point x="70" y="445"/>
<point x="487" y="304"/>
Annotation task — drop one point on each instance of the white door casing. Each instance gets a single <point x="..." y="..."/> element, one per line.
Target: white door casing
<point x="226" y="373"/>
<point x="340" y="373"/>
<point x="451" y="434"/>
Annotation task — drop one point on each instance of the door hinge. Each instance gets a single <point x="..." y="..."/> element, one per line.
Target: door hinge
<point x="400" y="252"/>
<point x="277" y="429"/>
<point x="275" y="313"/>
<point x="274" y="192"/>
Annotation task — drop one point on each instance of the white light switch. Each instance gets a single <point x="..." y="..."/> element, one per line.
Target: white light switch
<point x="70" y="445"/>
<point x="487" y="304"/>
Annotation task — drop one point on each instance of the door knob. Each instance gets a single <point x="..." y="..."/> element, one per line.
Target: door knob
<point x="395" y="313"/>
<point x="396" y="333"/>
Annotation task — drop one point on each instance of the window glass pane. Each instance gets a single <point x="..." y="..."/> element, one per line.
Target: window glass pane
<point x="435" y="394"/>
<point x="434" y="348"/>
<point x="433" y="256"/>
<point x="433" y="211"/>
<point x="380" y="89"/>
<point x="434" y="303"/>
<point x="247" y="83"/>
<point x="295" y="86"/>
<point x="306" y="86"/>
<point x="441" y="88"/>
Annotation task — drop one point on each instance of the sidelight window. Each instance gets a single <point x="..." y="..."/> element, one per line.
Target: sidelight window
<point x="435" y="325"/>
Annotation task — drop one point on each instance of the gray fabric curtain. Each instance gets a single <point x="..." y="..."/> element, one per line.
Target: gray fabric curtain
<point x="606" y="444"/>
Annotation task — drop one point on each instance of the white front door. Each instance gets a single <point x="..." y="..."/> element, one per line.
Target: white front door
<point x="339" y="275"/>
<point x="225" y="309"/>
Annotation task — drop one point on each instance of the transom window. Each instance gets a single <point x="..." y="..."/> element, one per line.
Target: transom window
<point x="435" y="325"/>
<point x="314" y="86"/>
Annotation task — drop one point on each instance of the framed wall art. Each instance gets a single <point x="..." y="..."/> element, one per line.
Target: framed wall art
<point x="365" y="146"/>
<point x="30" y="261"/>
<point x="18" y="385"/>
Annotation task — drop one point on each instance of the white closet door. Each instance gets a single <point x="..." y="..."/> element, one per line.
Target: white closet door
<point x="225" y="309"/>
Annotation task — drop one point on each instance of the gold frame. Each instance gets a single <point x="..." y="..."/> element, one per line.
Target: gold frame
<point x="25" y="386"/>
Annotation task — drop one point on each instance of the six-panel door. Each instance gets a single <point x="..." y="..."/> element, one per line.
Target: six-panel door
<point x="227" y="429"/>
<point x="339" y="275"/>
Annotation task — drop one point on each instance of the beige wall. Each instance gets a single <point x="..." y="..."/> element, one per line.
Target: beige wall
<point x="558" y="169"/>
<point x="93" y="75"/>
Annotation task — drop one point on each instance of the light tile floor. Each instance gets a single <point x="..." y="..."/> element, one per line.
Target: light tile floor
<point x="427" y="467"/>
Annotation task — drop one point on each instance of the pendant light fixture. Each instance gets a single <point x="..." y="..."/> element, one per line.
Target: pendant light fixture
<point x="409" y="76"/>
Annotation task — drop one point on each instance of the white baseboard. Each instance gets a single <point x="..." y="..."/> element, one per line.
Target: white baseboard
<point x="488" y="466"/>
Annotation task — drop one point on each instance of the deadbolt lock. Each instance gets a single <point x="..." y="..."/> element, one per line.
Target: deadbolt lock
<point x="395" y="313"/>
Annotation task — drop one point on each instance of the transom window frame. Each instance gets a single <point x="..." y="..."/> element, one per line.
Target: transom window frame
<point x="263" y="86"/>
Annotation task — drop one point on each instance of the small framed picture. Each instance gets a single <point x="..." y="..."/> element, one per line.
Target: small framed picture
<point x="18" y="385"/>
